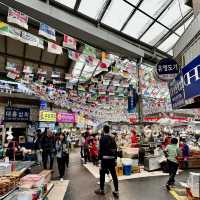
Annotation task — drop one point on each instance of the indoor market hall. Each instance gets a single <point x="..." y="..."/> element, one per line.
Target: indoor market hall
<point x="100" y="100"/>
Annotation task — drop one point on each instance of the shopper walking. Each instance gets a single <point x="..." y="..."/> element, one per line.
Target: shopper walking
<point x="185" y="153"/>
<point x="86" y="148"/>
<point x="93" y="151"/>
<point x="62" y="152"/>
<point x="48" y="149"/>
<point x="108" y="156"/>
<point x="172" y="151"/>
<point x="37" y="146"/>
<point x="68" y="147"/>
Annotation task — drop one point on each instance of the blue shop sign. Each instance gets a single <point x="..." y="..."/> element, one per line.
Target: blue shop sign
<point x="43" y="104"/>
<point x="176" y="90"/>
<point x="191" y="77"/>
<point x="132" y="99"/>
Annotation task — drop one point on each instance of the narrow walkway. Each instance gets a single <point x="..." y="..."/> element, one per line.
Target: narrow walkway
<point x="83" y="184"/>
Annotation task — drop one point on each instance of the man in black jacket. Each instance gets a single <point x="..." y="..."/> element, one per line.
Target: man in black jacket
<point x="48" y="148"/>
<point x="108" y="156"/>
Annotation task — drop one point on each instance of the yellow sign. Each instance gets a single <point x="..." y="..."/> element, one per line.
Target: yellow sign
<point x="47" y="116"/>
<point x="3" y="25"/>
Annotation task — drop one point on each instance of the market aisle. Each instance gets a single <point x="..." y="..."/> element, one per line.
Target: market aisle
<point x="83" y="184"/>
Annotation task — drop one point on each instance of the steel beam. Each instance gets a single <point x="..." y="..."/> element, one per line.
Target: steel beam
<point x="74" y="26"/>
<point x="166" y="7"/>
<point x="131" y="15"/>
<point x="154" y="19"/>
<point x="175" y="27"/>
<point x="102" y="13"/>
<point x="76" y="7"/>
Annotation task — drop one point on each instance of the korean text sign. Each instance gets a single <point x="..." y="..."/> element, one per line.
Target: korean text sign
<point x="64" y="117"/>
<point x="191" y="77"/>
<point x="176" y="89"/>
<point x="13" y="114"/>
<point x="47" y="116"/>
<point x="167" y="69"/>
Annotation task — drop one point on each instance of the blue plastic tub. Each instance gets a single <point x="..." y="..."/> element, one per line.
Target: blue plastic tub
<point x="127" y="169"/>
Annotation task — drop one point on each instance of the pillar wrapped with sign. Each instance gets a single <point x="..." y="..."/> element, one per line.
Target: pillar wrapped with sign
<point x="132" y="99"/>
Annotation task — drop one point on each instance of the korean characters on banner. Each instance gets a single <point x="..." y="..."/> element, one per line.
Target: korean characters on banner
<point x="176" y="89"/>
<point x="167" y="69"/>
<point x="47" y="116"/>
<point x="132" y="99"/>
<point x="13" y="114"/>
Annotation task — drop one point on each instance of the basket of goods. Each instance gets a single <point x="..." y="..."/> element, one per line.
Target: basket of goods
<point x="6" y="185"/>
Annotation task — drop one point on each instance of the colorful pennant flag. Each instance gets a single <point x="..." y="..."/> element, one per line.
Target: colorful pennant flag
<point x="54" y="48"/>
<point x="104" y="56"/>
<point x="68" y="76"/>
<point x="32" y="40"/>
<point x="69" y="42"/>
<point x="10" y="31"/>
<point x="125" y="74"/>
<point x="104" y="65"/>
<point x="12" y="67"/>
<point x="89" y="50"/>
<point x="92" y="61"/>
<point x="28" y="69"/>
<point x="41" y="71"/>
<point x="27" y="78"/>
<point x="55" y="74"/>
<point x="3" y="28"/>
<point x="13" y="75"/>
<point x="74" y="55"/>
<point x="47" y="31"/>
<point x="17" y="17"/>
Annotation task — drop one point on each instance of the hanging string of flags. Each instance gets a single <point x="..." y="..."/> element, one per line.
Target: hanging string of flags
<point x="99" y="91"/>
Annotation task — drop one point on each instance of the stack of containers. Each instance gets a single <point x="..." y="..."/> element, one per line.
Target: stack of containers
<point x="194" y="184"/>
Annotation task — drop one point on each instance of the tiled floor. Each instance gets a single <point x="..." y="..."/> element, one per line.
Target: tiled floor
<point x="82" y="185"/>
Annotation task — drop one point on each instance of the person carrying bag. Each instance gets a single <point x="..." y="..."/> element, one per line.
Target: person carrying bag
<point x="61" y="154"/>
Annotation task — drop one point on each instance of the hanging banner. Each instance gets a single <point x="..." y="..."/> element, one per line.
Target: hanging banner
<point x="69" y="42"/>
<point x="55" y="74"/>
<point x="191" y="78"/>
<point x="74" y="55"/>
<point x="167" y="69"/>
<point x="54" y="48"/>
<point x="28" y="69"/>
<point x="32" y="40"/>
<point x="92" y="61"/>
<point x="4" y="30"/>
<point x="132" y="99"/>
<point x="47" y="116"/>
<point x="43" y="104"/>
<point x="47" y="31"/>
<point x="89" y="50"/>
<point x="104" y="65"/>
<point x="176" y="90"/>
<point x="17" y="17"/>
<point x="64" y="117"/>
<point x="13" y="114"/>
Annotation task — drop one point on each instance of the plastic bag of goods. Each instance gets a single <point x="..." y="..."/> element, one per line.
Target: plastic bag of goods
<point x="31" y="181"/>
<point x="5" y="168"/>
<point x="127" y="161"/>
<point x="25" y="195"/>
<point x="194" y="183"/>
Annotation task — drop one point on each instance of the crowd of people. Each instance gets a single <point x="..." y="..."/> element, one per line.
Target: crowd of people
<point x="46" y="146"/>
<point x="102" y="150"/>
